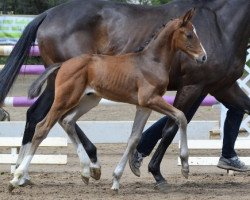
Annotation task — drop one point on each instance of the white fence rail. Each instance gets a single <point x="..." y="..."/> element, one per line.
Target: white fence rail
<point x="15" y="142"/>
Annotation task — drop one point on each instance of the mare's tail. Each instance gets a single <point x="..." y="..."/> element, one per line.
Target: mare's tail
<point x="36" y="86"/>
<point x="18" y="55"/>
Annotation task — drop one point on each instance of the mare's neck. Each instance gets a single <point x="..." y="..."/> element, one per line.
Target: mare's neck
<point x="234" y="22"/>
<point x="233" y="18"/>
<point x="161" y="48"/>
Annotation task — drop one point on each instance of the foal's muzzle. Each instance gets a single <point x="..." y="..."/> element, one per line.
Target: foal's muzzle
<point x="201" y="59"/>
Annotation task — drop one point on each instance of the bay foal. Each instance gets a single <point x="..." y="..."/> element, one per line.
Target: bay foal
<point x="136" y="78"/>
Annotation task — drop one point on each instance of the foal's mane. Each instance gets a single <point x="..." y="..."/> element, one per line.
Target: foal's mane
<point x="153" y="37"/>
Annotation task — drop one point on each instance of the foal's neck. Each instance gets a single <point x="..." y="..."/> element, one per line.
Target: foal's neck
<point x="161" y="47"/>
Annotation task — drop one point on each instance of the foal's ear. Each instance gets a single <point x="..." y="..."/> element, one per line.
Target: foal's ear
<point x="187" y="17"/>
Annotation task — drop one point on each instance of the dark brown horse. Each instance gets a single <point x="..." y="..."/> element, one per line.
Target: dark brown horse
<point x="115" y="28"/>
<point x="136" y="78"/>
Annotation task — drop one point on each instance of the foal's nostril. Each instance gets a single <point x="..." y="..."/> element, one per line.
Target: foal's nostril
<point x="204" y="58"/>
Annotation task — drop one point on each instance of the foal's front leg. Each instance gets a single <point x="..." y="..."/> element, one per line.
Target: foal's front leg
<point x="140" y="120"/>
<point x="158" y="104"/>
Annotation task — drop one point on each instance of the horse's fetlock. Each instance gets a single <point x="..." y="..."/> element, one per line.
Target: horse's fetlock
<point x="181" y="120"/>
<point x="184" y="155"/>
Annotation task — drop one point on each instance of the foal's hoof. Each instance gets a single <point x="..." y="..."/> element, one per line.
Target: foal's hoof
<point x="26" y="182"/>
<point x="185" y="173"/>
<point x="22" y="183"/>
<point x="114" y="191"/>
<point x="95" y="173"/>
<point x="161" y="186"/>
<point x="85" y="179"/>
<point x="11" y="187"/>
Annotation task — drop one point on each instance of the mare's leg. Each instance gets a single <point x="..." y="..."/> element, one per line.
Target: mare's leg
<point x="68" y="122"/>
<point x="188" y="100"/>
<point x="140" y="120"/>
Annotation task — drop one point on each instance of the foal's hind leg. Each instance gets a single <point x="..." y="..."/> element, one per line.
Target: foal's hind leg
<point x="92" y="169"/>
<point x="41" y="132"/>
<point x="35" y="114"/>
<point x="140" y="120"/>
<point x="59" y="108"/>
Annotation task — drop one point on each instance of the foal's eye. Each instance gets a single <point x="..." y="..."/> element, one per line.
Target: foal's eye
<point x="189" y="36"/>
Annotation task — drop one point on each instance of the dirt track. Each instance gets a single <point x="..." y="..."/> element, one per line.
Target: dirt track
<point x="64" y="182"/>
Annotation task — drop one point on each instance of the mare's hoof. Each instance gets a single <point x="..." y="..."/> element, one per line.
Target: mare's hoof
<point x="95" y="173"/>
<point x="85" y="179"/>
<point x="161" y="186"/>
<point x="185" y="173"/>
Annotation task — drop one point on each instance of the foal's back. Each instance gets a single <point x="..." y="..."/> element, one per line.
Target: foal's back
<point x="112" y="77"/>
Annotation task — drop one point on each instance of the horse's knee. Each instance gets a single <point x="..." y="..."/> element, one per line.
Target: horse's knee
<point x="181" y="120"/>
<point x="40" y="136"/>
<point x="66" y="123"/>
<point x="41" y="132"/>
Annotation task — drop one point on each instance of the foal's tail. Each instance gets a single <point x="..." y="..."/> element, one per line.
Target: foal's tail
<point x="36" y="86"/>
<point x="18" y="55"/>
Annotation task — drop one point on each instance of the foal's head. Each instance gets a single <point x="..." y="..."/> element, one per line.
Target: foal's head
<point x="185" y="38"/>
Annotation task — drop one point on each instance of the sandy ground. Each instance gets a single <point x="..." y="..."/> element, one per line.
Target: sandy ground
<point x="64" y="182"/>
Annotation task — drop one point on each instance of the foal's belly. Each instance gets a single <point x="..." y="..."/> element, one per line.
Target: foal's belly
<point x="112" y="94"/>
<point x="112" y="82"/>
